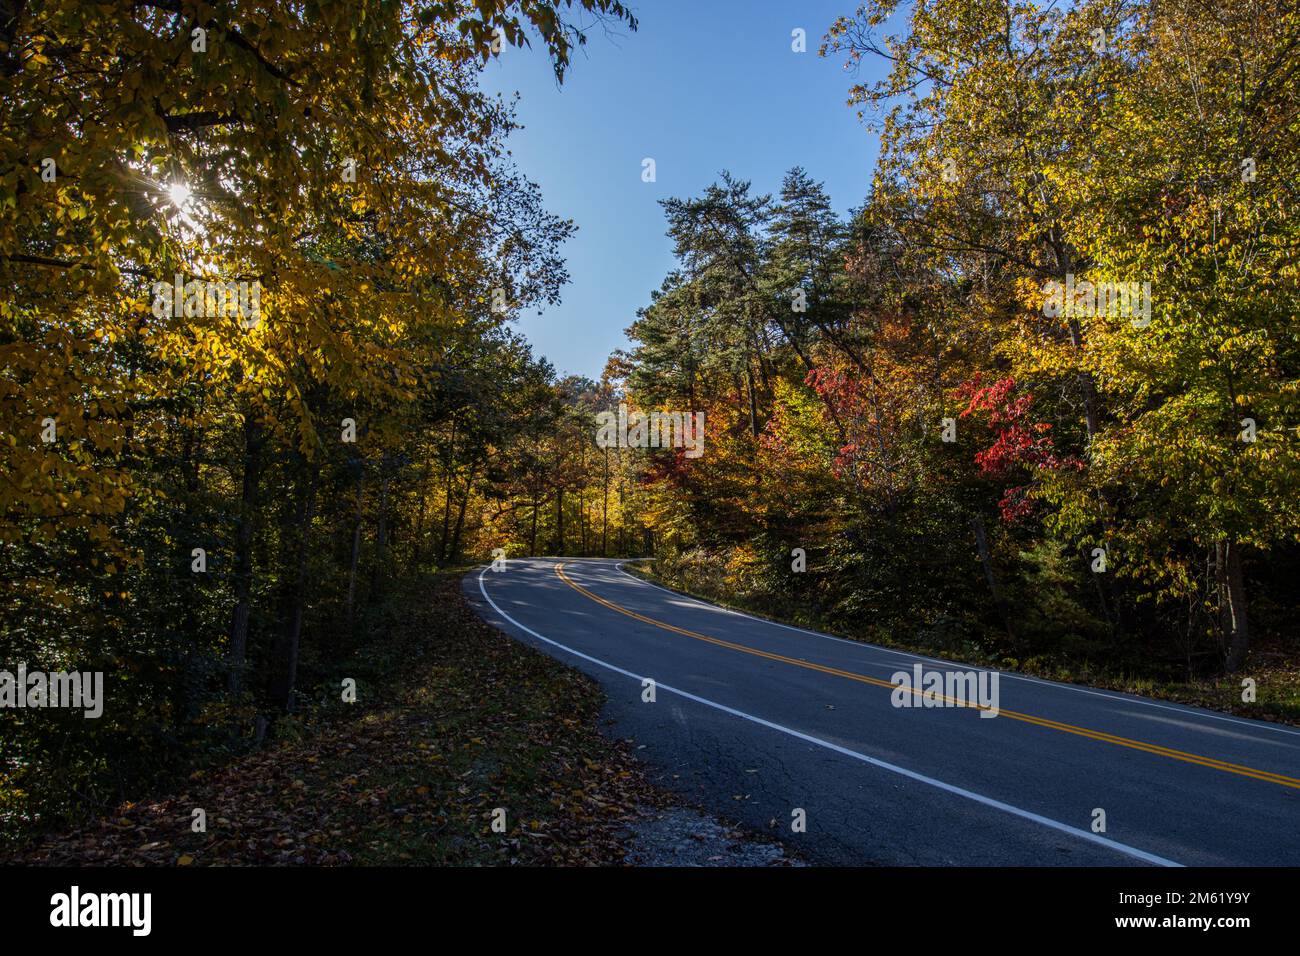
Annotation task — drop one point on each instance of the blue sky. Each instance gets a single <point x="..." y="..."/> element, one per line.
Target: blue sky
<point x="702" y="86"/>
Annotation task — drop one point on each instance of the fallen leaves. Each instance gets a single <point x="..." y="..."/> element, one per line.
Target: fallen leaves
<point x="482" y="723"/>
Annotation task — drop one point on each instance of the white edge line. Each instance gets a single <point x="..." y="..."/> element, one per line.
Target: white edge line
<point x="1186" y="711"/>
<point x="873" y="761"/>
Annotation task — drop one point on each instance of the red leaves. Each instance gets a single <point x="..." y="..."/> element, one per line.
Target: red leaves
<point x="1015" y="447"/>
<point x="671" y="469"/>
<point x="846" y="397"/>
<point x="839" y="389"/>
<point x="996" y="399"/>
<point x="1020" y="443"/>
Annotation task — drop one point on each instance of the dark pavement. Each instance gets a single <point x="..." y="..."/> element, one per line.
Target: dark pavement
<point x="755" y="720"/>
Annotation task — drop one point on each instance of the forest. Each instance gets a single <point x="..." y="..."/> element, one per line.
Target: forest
<point x="1034" y="403"/>
<point x="207" y="501"/>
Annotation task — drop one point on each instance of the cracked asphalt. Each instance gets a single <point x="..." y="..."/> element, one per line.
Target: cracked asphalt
<point x="755" y="721"/>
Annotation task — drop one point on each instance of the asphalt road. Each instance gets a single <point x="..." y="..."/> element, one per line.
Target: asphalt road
<point x="757" y="721"/>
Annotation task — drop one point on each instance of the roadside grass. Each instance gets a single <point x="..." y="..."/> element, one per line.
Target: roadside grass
<point x="1275" y="673"/>
<point x="452" y="721"/>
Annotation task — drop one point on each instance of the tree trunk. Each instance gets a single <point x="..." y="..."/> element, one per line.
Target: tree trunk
<point x="604" y="531"/>
<point x="253" y="443"/>
<point x="356" y="545"/>
<point x="1086" y="385"/>
<point x="417" y="550"/>
<point x="559" y="520"/>
<point x="380" y="573"/>
<point x="1239" y="643"/>
<point x="753" y="399"/>
<point x="532" y="536"/>
<point x="981" y="542"/>
<point x="622" y="518"/>
<point x="454" y="550"/>
<point x="297" y="596"/>
<point x="1065" y="264"/>
<point x="184" y="694"/>
<point x="582" y="499"/>
<point x="1102" y="601"/>
<point x="446" y="496"/>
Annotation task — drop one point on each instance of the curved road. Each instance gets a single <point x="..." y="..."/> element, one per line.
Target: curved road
<point x="758" y="720"/>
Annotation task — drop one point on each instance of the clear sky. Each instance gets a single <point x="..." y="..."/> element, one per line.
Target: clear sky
<point x="702" y="86"/>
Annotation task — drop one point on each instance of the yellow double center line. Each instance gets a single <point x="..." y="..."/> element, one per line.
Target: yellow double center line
<point x="1211" y="762"/>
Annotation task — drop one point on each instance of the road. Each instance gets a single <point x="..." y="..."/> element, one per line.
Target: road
<point x="758" y="721"/>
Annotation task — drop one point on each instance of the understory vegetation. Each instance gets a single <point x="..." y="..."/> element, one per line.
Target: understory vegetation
<point x="1035" y="402"/>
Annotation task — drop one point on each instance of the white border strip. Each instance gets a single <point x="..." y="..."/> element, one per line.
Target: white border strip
<point x="873" y="761"/>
